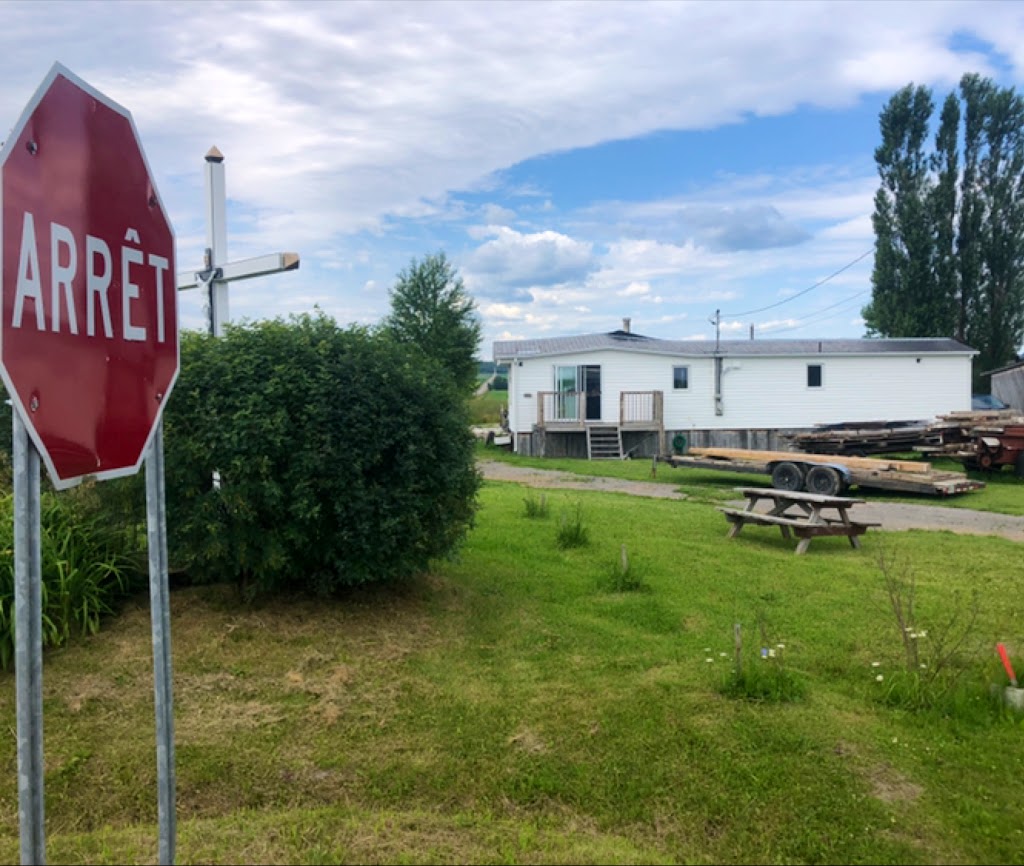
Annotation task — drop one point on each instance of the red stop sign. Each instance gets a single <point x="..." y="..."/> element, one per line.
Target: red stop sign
<point x="89" y="336"/>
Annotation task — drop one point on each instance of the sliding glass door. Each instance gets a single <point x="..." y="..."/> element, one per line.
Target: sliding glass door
<point x="578" y="393"/>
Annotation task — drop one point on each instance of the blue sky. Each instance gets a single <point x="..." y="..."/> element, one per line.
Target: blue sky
<point x="578" y="162"/>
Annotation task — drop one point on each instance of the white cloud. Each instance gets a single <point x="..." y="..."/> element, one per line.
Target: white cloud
<point x="514" y="259"/>
<point x="635" y="289"/>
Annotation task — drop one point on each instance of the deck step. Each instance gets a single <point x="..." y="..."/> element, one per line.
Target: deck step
<point x="604" y="443"/>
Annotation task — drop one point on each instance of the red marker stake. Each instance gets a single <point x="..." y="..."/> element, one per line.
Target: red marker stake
<point x="1006" y="664"/>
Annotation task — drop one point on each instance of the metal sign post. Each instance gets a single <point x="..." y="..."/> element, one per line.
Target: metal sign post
<point x="28" y="644"/>
<point x="160" y="607"/>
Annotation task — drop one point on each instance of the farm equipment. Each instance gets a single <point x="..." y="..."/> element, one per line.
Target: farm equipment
<point x="994" y="448"/>
<point x="829" y="474"/>
<point x="980" y="440"/>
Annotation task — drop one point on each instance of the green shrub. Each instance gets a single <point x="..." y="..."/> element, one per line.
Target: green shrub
<point x="342" y="458"/>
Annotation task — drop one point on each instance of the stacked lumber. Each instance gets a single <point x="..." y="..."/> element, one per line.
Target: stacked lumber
<point x="870" y="464"/>
<point x="957" y="431"/>
<point x="869" y="437"/>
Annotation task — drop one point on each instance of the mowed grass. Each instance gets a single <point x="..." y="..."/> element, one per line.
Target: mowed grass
<point x="511" y="707"/>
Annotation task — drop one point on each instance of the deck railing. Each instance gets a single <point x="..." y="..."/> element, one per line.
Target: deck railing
<point x="644" y="408"/>
<point x="636" y="408"/>
<point x="560" y="407"/>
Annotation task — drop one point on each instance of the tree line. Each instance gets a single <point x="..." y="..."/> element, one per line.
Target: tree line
<point x="949" y="220"/>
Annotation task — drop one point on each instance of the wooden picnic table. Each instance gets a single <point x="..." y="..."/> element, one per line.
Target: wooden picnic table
<point x="798" y="513"/>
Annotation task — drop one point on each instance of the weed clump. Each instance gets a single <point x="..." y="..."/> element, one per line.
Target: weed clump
<point x="536" y="507"/>
<point x="624" y="575"/>
<point x="571" y="530"/>
<point x="764" y="677"/>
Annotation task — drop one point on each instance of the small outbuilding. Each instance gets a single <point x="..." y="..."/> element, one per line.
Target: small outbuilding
<point x="620" y="393"/>
<point x="1008" y="385"/>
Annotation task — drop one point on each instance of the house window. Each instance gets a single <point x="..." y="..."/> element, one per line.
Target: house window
<point x="680" y="378"/>
<point x="814" y="375"/>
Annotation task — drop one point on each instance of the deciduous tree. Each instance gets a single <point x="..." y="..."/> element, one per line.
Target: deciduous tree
<point x="431" y="310"/>
<point x="949" y="236"/>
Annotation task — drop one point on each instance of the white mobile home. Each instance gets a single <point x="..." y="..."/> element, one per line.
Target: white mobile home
<point x="580" y="396"/>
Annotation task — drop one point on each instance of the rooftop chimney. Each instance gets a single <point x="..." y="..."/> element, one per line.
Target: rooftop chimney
<point x="625" y="325"/>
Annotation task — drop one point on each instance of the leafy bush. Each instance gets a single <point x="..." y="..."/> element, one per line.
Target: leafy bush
<point x="500" y="383"/>
<point x="342" y="458"/>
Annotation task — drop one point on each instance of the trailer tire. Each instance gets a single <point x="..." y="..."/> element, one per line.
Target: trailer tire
<point x="824" y="480"/>
<point x="787" y="476"/>
<point x="1018" y="467"/>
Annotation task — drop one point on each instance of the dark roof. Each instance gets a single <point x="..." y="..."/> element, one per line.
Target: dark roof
<point x="629" y="342"/>
<point x="1016" y="365"/>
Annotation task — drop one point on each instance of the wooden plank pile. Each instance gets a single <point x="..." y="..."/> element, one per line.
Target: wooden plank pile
<point x="957" y="431"/>
<point x="859" y="438"/>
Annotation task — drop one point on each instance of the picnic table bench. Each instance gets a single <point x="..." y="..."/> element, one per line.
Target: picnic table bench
<point x="798" y="513"/>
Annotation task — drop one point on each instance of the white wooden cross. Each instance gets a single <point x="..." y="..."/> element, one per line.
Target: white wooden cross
<point x="217" y="273"/>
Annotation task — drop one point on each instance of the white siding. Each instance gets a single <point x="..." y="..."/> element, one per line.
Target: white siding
<point x="773" y="392"/>
<point x="761" y="392"/>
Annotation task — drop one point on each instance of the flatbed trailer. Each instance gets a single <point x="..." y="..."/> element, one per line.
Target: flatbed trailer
<point x="829" y="474"/>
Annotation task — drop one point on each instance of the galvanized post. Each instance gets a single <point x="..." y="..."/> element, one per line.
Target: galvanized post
<point x="156" y="520"/>
<point x="28" y="643"/>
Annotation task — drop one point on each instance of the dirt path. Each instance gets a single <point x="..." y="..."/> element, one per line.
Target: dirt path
<point x="893" y="516"/>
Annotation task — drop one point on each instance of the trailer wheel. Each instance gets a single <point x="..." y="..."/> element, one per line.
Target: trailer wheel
<point x="787" y="476"/>
<point x="1018" y="467"/>
<point x="824" y="480"/>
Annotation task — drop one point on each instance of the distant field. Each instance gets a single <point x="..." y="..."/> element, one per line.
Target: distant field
<point x="485" y="409"/>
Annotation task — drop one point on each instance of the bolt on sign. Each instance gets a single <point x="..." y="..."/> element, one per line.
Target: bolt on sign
<point x="89" y="334"/>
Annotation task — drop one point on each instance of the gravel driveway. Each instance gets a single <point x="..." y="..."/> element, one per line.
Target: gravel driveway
<point x="893" y="516"/>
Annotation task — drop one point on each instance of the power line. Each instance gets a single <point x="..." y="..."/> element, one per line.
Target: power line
<point x="816" y="317"/>
<point x="804" y="292"/>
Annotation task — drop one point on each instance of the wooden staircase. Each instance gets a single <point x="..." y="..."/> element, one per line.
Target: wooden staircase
<point x="604" y="442"/>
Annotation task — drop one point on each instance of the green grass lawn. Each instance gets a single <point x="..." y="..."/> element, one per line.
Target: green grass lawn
<point x="511" y="707"/>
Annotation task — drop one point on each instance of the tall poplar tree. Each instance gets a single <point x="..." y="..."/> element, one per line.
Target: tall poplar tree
<point x="949" y="235"/>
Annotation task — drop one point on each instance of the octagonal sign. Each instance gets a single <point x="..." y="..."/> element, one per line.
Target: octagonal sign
<point x="89" y="336"/>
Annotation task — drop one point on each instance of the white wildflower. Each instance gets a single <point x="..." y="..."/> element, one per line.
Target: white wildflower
<point x="771" y="653"/>
<point x="879" y="678"/>
<point x="876" y="664"/>
<point x="709" y="660"/>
